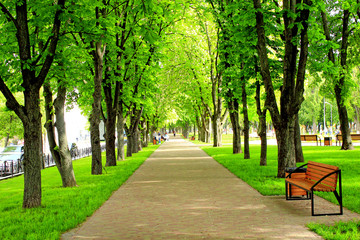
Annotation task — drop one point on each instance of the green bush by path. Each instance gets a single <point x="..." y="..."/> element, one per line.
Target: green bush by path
<point x="264" y="180"/>
<point x="62" y="208"/>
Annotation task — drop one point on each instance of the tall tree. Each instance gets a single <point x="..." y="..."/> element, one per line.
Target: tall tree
<point x="60" y="153"/>
<point x="34" y="67"/>
<point x="339" y="59"/>
<point x="295" y="18"/>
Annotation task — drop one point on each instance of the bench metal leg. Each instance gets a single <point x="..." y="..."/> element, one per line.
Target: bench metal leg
<point x="310" y="196"/>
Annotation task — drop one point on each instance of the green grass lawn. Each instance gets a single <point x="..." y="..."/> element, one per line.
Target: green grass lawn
<point x="62" y="208"/>
<point x="264" y="179"/>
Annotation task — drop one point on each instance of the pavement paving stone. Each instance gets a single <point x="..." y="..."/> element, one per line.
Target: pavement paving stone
<point x="182" y="193"/>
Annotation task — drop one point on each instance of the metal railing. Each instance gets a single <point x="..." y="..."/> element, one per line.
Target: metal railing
<point x="10" y="169"/>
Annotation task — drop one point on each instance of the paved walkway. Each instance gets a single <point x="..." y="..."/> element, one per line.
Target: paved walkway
<point x="182" y="193"/>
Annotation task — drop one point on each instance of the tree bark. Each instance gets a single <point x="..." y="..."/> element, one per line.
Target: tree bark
<point x="246" y="120"/>
<point x="147" y="132"/>
<point x="132" y="131"/>
<point x="263" y="139"/>
<point x="298" y="148"/>
<point x="215" y="121"/>
<point x="32" y="157"/>
<point x="233" y="106"/>
<point x="60" y="153"/>
<point x="110" y="121"/>
<point x="262" y="123"/>
<point x="186" y="130"/>
<point x="120" y="133"/>
<point x="96" y="164"/>
<point x="357" y="118"/>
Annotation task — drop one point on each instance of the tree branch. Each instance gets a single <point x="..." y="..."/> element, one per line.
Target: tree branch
<point x="52" y="48"/>
<point x="8" y="15"/>
<point x="11" y="102"/>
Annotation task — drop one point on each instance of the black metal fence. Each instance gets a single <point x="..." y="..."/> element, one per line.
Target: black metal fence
<point x="13" y="168"/>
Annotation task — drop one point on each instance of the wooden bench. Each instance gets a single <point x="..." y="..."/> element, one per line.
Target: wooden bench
<point x="353" y="137"/>
<point x="318" y="177"/>
<point x="311" y="138"/>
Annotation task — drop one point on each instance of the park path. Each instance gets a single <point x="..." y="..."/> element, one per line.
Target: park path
<point x="182" y="193"/>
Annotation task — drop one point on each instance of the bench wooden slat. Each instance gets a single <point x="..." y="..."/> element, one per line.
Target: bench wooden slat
<point x="332" y="183"/>
<point x="316" y="171"/>
<point x="328" y="175"/>
<point x="317" y="175"/>
<point x="339" y="137"/>
<point x="307" y="184"/>
<point x="323" y="165"/>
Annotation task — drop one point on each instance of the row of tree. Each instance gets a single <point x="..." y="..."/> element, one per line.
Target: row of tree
<point x="137" y="64"/>
<point x="102" y="54"/>
<point x="267" y="55"/>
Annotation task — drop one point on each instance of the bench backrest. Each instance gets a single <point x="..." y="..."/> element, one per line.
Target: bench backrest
<point x="353" y="137"/>
<point x="309" y="137"/>
<point x="316" y="171"/>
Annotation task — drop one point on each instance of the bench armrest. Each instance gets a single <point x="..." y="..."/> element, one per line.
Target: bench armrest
<point x="289" y="176"/>
<point x="337" y="171"/>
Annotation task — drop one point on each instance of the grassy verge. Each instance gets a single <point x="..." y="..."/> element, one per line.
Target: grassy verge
<point x="264" y="179"/>
<point x="62" y="208"/>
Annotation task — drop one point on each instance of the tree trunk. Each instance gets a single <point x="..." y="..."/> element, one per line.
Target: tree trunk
<point x="262" y="129"/>
<point x="129" y="142"/>
<point x="286" y="151"/>
<point x="143" y="134"/>
<point x="344" y="123"/>
<point x="66" y="169"/>
<point x="32" y="157"/>
<point x="110" y="126"/>
<point x="96" y="166"/>
<point x="263" y="138"/>
<point x="136" y="142"/>
<point x="262" y="135"/>
<point x="357" y="118"/>
<point x="207" y="130"/>
<point x="246" y="121"/>
<point x="186" y="130"/>
<point x="233" y="106"/>
<point x="297" y="141"/>
<point x="147" y="132"/>
<point x="111" y="100"/>
<point x="60" y="153"/>
<point x="132" y="132"/>
<point x="120" y="133"/>
<point x="216" y="131"/>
